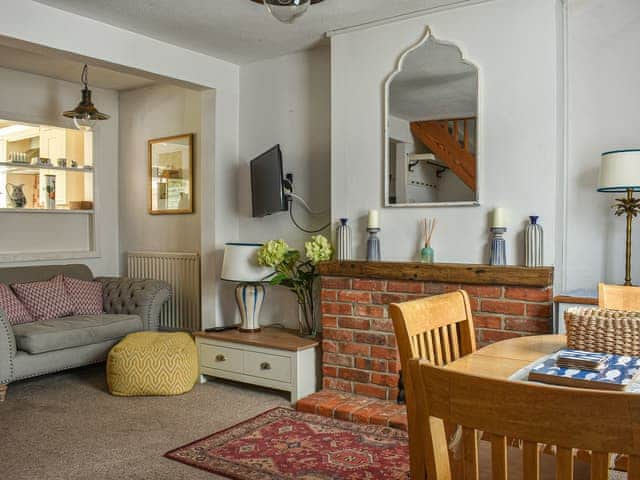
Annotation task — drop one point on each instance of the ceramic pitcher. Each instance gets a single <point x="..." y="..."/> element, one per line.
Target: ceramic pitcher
<point x="16" y="195"/>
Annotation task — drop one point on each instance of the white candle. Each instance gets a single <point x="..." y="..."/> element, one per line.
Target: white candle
<point x="374" y="219"/>
<point x="499" y="218"/>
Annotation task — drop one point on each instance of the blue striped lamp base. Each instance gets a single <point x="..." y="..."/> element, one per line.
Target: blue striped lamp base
<point x="249" y="297"/>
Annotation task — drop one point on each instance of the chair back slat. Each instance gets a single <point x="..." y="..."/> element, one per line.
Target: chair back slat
<point x="619" y="297"/>
<point x="564" y="463"/>
<point x="531" y="461"/>
<point x="599" y="466"/>
<point x="603" y="422"/>
<point x="438" y="329"/>
<point x="633" y="467"/>
<point x="470" y="454"/>
<point x="498" y="457"/>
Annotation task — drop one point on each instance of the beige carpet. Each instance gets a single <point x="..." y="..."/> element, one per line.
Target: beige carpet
<point x="66" y="426"/>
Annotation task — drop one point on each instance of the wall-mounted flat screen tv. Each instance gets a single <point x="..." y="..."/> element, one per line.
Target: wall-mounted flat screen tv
<point x="267" y="187"/>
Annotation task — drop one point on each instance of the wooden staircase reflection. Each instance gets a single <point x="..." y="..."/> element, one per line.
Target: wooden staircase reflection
<point x="442" y="137"/>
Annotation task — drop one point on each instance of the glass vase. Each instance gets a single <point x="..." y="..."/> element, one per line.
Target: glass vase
<point x="427" y="254"/>
<point x="307" y="325"/>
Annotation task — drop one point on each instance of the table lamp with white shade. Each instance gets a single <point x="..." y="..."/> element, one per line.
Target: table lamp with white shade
<point x="240" y="265"/>
<point x="620" y="173"/>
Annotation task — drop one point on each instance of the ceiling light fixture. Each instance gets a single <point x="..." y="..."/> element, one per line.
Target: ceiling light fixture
<point x="85" y="115"/>
<point x="287" y="10"/>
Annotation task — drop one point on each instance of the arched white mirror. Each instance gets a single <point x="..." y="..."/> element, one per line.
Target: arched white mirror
<point x="431" y="124"/>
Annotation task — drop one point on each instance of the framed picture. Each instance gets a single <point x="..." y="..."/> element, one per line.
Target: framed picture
<point x="171" y="175"/>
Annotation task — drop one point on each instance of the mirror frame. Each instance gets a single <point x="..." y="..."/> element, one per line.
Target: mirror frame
<point x="479" y="126"/>
<point x="150" y="143"/>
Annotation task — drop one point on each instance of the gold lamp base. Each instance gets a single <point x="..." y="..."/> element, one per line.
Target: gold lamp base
<point x="630" y="207"/>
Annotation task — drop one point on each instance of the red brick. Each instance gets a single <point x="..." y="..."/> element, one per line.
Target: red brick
<point x="371" y="364"/>
<point x="384" y="353"/>
<point x="345" y="410"/>
<point x="339" y="283"/>
<point x="393" y="366"/>
<point x="307" y="405"/>
<point x="370" y="285"/>
<point x="487" y="321"/>
<point x="474" y="304"/>
<point x="354" y="296"/>
<point x="382" y="325"/>
<point x="399" y="422"/>
<point x="539" y="310"/>
<point x="354" y="323"/>
<point x="328" y="406"/>
<point x="328" y="295"/>
<point x="528" y="294"/>
<point x="329" y="322"/>
<point x="361" y="376"/>
<point x="490" y="336"/>
<point x="337" y="308"/>
<point x="370" y="338"/>
<point x="405" y="287"/>
<point x="392" y="342"/>
<point x="337" y="359"/>
<point x="329" y="371"/>
<point x="393" y="394"/>
<point x="434" y="288"/>
<point x="329" y="346"/>
<point x="384" y="379"/>
<point x="500" y="306"/>
<point x="355" y="349"/>
<point x="373" y="391"/>
<point x="337" y="334"/>
<point x="487" y="291"/>
<point x="534" y="325"/>
<point x="388" y="298"/>
<point x="376" y="311"/>
<point x="337" y="384"/>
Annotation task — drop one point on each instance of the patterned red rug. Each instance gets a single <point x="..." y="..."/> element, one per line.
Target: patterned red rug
<point x="284" y="444"/>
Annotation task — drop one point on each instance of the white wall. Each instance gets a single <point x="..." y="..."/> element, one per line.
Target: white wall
<point x="147" y="113"/>
<point x="514" y="45"/>
<point x="604" y="114"/>
<point x="36" y="99"/>
<point x="287" y="101"/>
<point x="46" y="28"/>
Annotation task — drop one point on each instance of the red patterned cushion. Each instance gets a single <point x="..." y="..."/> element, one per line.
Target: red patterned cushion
<point x="45" y="300"/>
<point x="13" y="308"/>
<point x="86" y="297"/>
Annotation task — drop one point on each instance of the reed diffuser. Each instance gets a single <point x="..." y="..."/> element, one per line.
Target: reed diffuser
<point x="428" y="226"/>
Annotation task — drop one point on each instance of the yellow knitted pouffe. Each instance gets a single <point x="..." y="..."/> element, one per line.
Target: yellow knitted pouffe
<point x="152" y="363"/>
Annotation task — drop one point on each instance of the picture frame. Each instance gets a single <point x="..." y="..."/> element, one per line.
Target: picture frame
<point x="170" y="174"/>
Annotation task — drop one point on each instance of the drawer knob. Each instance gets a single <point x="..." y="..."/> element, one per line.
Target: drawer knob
<point x="265" y="366"/>
<point x="220" y="358"/>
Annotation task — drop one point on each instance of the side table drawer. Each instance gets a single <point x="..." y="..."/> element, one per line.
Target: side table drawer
<point x="222" y="358"/>
<point x="264" y="365"/>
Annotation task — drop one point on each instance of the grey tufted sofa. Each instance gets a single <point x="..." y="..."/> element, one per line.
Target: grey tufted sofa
<point x="48" y="346"/>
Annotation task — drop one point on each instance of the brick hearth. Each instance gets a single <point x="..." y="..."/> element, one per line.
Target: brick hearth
<point x="359" y="354"/>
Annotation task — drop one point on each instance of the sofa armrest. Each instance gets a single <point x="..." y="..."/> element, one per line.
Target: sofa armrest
<point x="7" y="349"/>
<point x="141" y="297"/>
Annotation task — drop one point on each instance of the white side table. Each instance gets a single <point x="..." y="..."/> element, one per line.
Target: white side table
<point x="273" y="358"/>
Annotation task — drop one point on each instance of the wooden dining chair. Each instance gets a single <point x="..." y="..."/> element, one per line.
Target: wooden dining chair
<point x="594" y="420"/>
<point x="619" y="297"/>
<point x="438" y="329"/>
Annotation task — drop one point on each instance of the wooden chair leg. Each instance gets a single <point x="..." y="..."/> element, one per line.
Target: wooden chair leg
<point x="3" y="392"/>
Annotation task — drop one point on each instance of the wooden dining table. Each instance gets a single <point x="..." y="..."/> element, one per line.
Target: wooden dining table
<point x="503" y="359"/>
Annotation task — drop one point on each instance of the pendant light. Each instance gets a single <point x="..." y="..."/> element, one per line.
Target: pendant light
<point x="85" y="115"/>
<point x="287" y="11"/>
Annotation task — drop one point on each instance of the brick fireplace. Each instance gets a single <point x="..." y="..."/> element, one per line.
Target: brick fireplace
<point x="359" y="354"/>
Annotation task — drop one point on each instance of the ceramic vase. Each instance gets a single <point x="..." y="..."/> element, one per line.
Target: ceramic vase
<point x="533" y="243"/>
<point x="373" y="245"/>
<point x="50" y="192"/>
<point x="427" y="254"/>
<point x="343" y="235"/>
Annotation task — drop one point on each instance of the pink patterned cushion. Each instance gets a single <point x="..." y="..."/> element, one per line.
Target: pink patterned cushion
<point x="45" y="300"/>
<point x="13" y="308"/>
<point x="86" y="297"/>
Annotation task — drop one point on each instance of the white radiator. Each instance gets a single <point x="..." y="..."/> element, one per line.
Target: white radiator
<point x="182" y="272"/>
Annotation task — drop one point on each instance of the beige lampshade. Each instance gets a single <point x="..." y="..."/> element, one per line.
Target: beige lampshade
<point x="240" y="264"/>
<point x="620" y="171"/>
